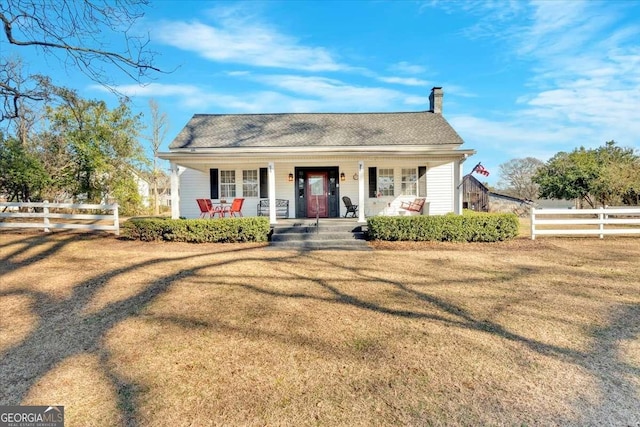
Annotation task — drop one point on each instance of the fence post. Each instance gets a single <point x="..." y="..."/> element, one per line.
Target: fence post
<point x="533" y="223"/>
<point x="601" y="219"/>
<point x="45" y="211"/>
<point x="116" y="219"/>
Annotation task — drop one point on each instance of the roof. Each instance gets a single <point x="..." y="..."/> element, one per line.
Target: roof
<point x="315" y="130"/>
<point x="512" y="198"/>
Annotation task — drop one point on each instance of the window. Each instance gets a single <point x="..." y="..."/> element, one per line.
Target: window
<point x="250" y="183"/>
<point x="385" y="182"/>
<point x="227" y="184"/>
<point x="409" y="182"/>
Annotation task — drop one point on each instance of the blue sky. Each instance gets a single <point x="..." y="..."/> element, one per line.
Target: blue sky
<point x="520" y="78"/>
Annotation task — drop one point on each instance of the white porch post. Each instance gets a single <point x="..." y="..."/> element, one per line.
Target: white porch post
<point x="457" y="189"/>
<point x="175" y="192"/>
<point x="361" y="193"/>
<point x="272" y="193"/>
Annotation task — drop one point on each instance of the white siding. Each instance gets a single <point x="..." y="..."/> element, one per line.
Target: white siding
<point x="440" y="191"/>
<point x="193" y="185"/>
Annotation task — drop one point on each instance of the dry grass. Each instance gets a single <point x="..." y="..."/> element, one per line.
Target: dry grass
<point x="131" y="333"/>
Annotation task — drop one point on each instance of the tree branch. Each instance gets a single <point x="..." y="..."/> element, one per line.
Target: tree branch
<point x="76" y="28"/>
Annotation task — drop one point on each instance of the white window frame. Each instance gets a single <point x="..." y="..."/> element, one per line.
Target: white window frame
<point x="386" y="182"/>
<point x="227" y="184"/>
<point x="409" y="182"/>
<point x="250" y="185"/>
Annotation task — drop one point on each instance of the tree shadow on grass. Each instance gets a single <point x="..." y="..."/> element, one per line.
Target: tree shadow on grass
<point x="41" y="246"/>
<point x="619" y="397"/>
<point x="63" y="330"/>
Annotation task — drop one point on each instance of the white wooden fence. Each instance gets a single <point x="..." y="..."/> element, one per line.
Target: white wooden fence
<point x="72" y="220"/>
<point x="590" y="221"/>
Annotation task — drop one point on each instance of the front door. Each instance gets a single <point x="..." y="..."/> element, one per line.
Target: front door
<point x="317" y="194"/>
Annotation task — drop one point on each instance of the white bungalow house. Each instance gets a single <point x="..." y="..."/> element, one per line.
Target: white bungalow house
<point x="310" y="161"/>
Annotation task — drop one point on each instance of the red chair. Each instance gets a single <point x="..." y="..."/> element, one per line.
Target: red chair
<point x="235" y="208"/>
<point x="207" y="209"/>
<point x="204" y="211"/>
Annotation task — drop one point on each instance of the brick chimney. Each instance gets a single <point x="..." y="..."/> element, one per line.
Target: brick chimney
<point x="435" y="100"/>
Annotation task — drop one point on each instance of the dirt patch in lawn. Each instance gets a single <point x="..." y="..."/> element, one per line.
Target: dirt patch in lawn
<point x="541" y="332"/>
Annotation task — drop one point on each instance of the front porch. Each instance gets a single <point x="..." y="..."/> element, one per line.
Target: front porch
<point x="304" y="189"/>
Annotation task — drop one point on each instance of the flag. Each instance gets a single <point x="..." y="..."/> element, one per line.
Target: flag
<point x="480" y="169"/>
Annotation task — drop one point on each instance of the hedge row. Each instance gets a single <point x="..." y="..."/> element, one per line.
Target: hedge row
<point x="446" y="228"/>
<point x="223" y="230"/>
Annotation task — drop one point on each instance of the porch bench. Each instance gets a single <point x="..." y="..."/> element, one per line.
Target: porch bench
<point x="282" y="208"/>
<point x="414" y="206"/>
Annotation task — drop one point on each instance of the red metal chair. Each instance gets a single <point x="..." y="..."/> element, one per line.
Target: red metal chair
<point x="214" y="210"/>
<point x="204" y="211"/>
<point x="207" y="209"/>
<point x="235" y="208"/>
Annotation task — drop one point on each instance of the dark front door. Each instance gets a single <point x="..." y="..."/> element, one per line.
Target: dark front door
<point x="317" y="194"/>
<point x="317" y="190"/>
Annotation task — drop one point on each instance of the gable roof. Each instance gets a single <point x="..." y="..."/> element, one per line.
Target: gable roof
<point x="315" y="130"/>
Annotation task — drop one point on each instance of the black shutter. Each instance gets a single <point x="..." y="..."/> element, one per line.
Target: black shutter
<point x="213" y="183"/>
<point x="422" y="181"/>
<point x="264" y="184"/>
<point x="373" y="182"/>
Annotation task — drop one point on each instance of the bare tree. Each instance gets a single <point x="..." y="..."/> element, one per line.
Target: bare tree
<point x="72" y="31"/>
<point x="159" y="128"/>
<point x="17" y="92"/>
<point x="516" y="177"/>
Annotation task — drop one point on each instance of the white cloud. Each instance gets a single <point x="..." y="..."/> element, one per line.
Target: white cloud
<point x="404" y="67"/>
<point x="285" y="93"/>
<point x="339" y="95"/>
<point x="407" y="81"/>
<point x="241" y="40"/>
<point x="584" y="82"/>
<point x="152" y="90"/>
<point x="237" y="73"/>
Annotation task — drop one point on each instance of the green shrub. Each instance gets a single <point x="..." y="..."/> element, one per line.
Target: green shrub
<point x="222" y="230"/>
<point x="478" y="227"/>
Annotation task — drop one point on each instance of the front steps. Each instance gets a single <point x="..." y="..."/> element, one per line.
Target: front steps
<point x="331" y="234"/>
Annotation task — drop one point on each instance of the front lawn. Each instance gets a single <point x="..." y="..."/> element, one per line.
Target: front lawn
<point x="543" y="332"/>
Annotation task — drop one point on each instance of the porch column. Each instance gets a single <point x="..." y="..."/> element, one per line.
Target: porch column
<point x="457" y="186"/>
<point x="361" y="192"/>
<point x="175" y="192"/>
<point x="272" y="193"/>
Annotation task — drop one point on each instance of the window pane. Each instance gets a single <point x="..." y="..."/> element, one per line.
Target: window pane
<point x="250" y="183"/>
<point x="316" y="185"/>
<point x="227" y="184"/>
<point x="409" y="183"/>
<point x="385" y="182"/>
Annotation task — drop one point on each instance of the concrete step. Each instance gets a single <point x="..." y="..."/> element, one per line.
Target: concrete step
<point x="330" y="234"/>
<point x="311" y="228"/>
<point x="324" y="245"/>
<point x="323" y="235"/>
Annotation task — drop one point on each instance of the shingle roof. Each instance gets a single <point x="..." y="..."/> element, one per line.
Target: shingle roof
<point x="315" y="130"/>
